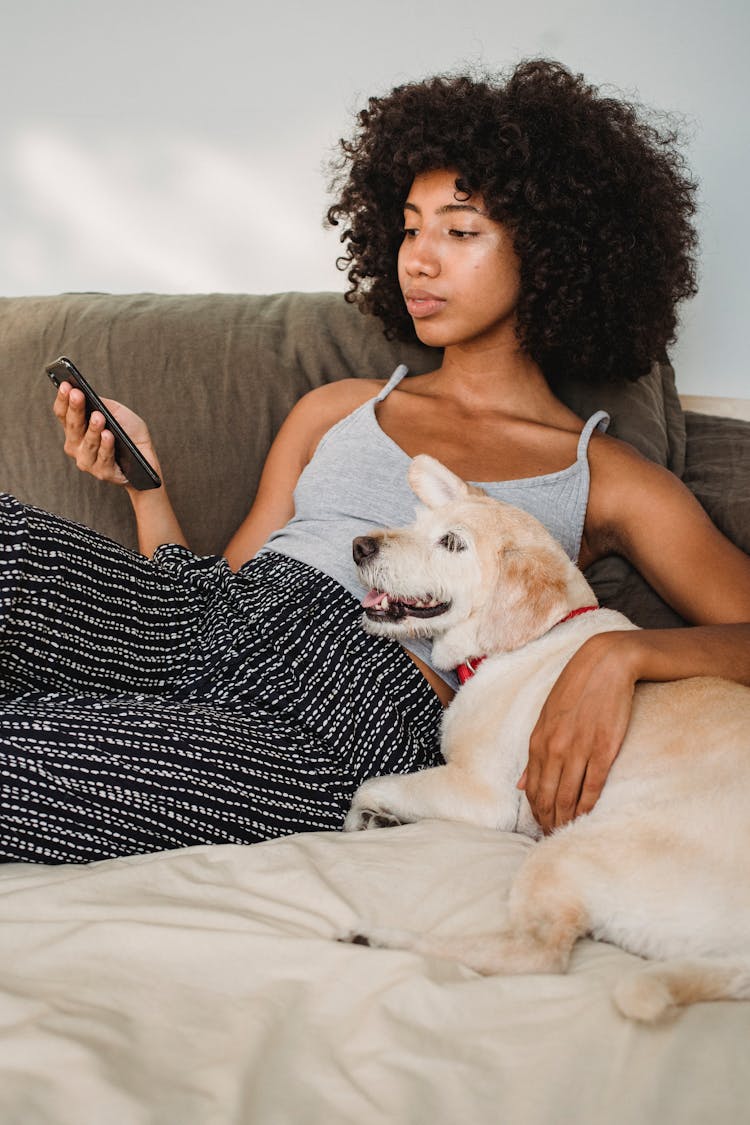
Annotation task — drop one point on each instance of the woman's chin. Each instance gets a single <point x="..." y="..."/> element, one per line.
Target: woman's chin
<point x="430" y="333"/>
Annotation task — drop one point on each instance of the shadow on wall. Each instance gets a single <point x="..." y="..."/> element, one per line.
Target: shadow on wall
<point x="164" y="214"/>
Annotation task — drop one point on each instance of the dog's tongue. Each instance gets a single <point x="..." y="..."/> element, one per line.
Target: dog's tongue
<point x="373" y="598"/>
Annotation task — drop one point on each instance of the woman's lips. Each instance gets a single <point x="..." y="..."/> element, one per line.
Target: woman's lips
<point x="419" y="303"/>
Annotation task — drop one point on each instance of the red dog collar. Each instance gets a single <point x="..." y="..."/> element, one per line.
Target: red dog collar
<point x="466" y="670"/>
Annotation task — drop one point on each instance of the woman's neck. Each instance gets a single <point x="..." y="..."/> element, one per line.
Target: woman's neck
<point x="495" y="378"/>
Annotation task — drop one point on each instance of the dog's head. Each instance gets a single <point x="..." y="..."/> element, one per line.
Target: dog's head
<point x="478" y="575"/>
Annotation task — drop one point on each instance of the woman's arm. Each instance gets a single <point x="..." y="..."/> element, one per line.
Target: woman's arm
<point x="91" y="446"/>
<point x="644" y="513"/>
<point x="274" y="500"/>
<point x="294" y="445"/>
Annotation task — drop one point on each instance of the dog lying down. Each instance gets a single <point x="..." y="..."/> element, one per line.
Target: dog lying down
<point x="660" y="866"/>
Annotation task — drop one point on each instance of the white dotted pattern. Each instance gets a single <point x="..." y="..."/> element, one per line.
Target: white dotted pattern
<point x="153" y="704"/>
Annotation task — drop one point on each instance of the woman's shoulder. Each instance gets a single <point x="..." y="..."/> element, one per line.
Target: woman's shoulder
<point x="316" y="412"/>
<point x="616" y="462"/>
<point x="629" y="493"/>
<point x="335" y="400"/>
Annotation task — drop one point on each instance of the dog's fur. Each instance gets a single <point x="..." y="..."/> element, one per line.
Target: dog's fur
<point x="660" y="866"/>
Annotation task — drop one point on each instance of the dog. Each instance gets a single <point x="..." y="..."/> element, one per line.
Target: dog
<point x="660" y="865"/>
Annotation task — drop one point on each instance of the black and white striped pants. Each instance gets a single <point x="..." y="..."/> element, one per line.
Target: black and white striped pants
<point x="153" y="704"/>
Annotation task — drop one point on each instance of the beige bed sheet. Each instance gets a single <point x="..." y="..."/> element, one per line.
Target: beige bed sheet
<point x="204" y="986"/>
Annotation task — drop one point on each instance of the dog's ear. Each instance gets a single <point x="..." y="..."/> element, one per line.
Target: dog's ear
<point x="530" y="596"/>
<point x="434" y="484"/>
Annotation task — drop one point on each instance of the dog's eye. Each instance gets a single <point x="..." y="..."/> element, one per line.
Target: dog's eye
<point x="452" y="542"/>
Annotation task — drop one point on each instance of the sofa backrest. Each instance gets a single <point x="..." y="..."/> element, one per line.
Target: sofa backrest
<point x="214" y="376"/>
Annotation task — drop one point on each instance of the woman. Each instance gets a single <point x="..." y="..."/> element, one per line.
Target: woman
<point x="538" y="229"/>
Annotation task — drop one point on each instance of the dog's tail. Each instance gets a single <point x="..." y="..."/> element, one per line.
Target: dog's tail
<point x="649" y="993"/>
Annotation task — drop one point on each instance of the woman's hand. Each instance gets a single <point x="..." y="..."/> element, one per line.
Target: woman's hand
<point x="580" y="730"/>
<point x="92" y="446"/>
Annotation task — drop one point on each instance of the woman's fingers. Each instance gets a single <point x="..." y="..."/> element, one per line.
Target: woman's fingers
<point x="87" y="442"/>
<point x="553" y="786"/>
<point x="96" y="451"/>
<point x="579" y="731"/>
<point x="70" y="410"/>
<point x="60" y="405"/>
<point x="88" y="447"/>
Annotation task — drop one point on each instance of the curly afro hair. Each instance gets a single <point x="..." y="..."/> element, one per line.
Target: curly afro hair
<point x="597" y="198"/>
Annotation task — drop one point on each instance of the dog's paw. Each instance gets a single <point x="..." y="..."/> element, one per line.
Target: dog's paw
<point x="378" y="803"/>
<point x="644" y="996"/>
<point x="363" y="819"/>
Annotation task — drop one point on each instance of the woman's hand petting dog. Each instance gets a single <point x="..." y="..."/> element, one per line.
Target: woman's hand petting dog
<point x="580" y="730"/>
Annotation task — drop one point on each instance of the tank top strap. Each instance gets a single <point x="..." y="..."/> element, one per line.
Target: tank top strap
<point x="598" y="421"/>
<point x="394" y="381"/>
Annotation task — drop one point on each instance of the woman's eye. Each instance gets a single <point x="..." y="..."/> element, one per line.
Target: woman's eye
<point x="463" y="234"/>
<point x="452" y="542"/>
<point x="410" y="232"/>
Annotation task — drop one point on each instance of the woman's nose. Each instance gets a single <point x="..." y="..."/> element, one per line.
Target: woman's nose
<point x="420" y="258"/>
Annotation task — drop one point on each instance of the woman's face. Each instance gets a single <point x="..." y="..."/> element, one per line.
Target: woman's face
<point x="456" y="267"/>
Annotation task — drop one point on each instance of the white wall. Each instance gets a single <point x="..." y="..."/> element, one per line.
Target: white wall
<point x="177" y="146"/>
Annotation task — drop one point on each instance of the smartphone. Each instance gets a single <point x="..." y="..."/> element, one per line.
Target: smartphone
<point x="127" y="454"/>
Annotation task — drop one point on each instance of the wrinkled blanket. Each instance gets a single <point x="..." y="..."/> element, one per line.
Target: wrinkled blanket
<point x="206" y="986"/>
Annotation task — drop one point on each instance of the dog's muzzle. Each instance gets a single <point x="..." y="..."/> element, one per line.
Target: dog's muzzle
<point x="364" y="547"/>
<point x="380" y="605"/>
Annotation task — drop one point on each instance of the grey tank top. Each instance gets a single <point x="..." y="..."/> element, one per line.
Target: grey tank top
<point x="356" y="481"/>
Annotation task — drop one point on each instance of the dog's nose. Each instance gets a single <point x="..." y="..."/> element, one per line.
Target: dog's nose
<point x="364" y="547"/>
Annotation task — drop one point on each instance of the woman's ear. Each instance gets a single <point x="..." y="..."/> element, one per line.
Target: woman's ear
<point x="433" y="483"/>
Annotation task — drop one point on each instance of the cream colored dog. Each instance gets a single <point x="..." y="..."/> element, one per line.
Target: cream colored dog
<point x="661" y="866"/>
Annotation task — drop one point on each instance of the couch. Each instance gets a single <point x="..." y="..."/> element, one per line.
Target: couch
<point x="205" y="986"/>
